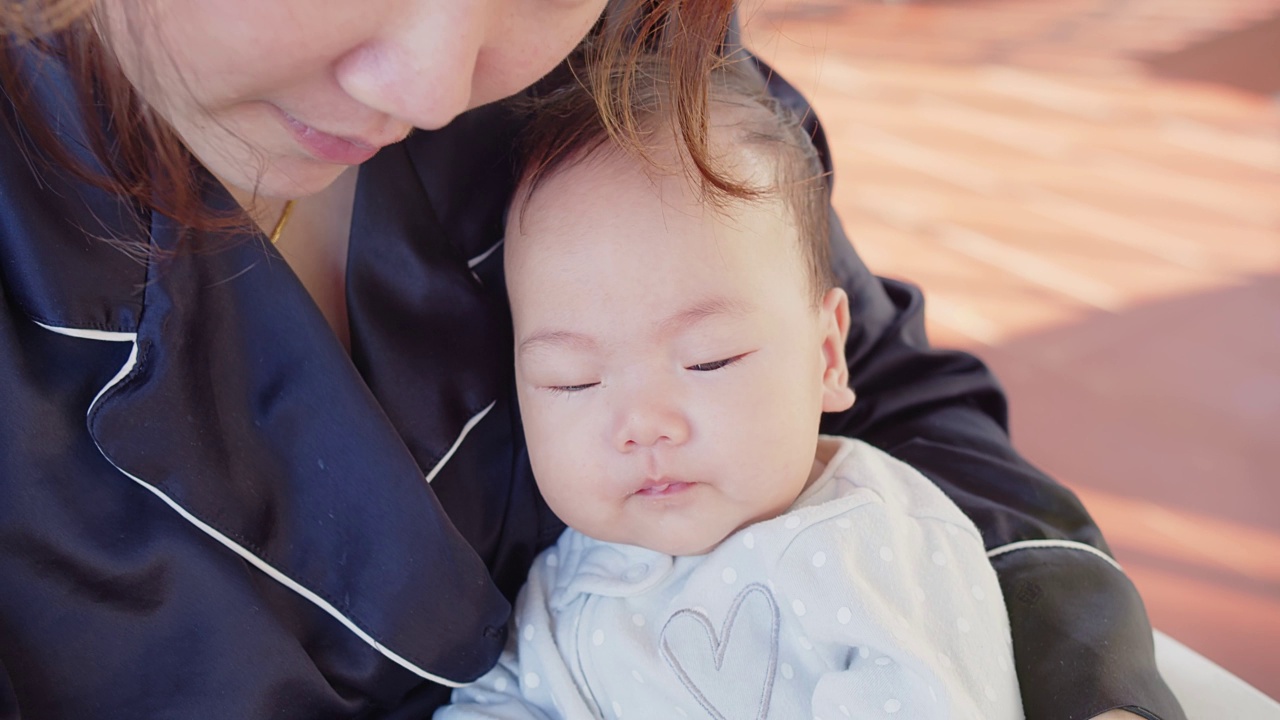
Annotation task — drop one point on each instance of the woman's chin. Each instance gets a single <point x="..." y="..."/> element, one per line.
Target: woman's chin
<point x="287" y="179"/>
<point x="294" y="179"/>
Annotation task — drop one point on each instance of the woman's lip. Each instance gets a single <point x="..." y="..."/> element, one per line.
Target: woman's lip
<point x="328" y="148"/>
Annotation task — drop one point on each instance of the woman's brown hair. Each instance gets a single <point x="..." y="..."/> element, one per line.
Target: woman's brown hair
<point x="136" y="155"/>
<point x="566" y="129"/>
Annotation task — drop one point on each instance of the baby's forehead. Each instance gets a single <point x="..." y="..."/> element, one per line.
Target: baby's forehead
<point x="607" y="217"/>
<point x="611" y="177"/>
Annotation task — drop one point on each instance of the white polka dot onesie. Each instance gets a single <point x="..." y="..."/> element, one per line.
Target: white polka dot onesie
<point x="872" y="597"/>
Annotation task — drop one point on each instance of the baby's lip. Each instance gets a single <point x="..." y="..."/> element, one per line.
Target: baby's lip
<point x="662" y="486"/>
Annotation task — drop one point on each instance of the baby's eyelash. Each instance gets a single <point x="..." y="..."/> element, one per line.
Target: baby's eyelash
<point x="566" y="389"/>
<point x="716" y="364"/>
<point x="700" y="367"/>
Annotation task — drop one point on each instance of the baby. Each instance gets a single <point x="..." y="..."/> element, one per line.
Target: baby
<point x="674" y="354"/>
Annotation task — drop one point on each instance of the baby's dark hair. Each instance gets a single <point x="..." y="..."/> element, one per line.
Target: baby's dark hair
<point x="565" y="128"/>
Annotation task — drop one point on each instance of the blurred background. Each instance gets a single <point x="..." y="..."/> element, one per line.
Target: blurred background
<point x="1089" y="193"/>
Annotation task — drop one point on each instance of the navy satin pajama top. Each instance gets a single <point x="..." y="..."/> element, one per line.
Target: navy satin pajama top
<point x="209" y="510"/>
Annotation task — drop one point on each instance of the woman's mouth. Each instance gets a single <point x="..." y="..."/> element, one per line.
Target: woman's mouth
<point x="328" y="148"/>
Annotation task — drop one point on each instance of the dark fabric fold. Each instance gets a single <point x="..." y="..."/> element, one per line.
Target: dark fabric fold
<point x="273" y="440"/>
<point x="425" y="337"/>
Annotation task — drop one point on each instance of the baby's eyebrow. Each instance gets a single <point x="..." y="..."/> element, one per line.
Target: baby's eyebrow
<point x="675" y="323"/>
<point x="557" y="338"/>
<point x="703" y="309"/>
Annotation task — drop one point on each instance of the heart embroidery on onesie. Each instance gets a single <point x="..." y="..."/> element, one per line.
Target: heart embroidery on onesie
<point x="721" y="670"/>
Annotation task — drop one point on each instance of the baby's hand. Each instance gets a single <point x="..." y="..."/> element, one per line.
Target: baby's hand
<point x="1117" y="715"/>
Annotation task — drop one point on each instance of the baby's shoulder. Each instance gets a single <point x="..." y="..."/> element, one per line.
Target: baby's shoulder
<point x="864" y="484"/>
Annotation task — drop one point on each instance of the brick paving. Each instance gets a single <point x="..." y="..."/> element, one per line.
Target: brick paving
<point x="1089" y="193"/>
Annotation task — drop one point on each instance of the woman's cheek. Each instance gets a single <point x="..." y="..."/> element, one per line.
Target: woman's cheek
<point x="532" y="43"/>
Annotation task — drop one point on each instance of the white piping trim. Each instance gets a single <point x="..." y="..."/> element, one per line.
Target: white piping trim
<point x="461" y="436"/>
<point x="228" y="542"/>
<point x="1058" y="544"/>
<point x="105" y="335"/>
<point x="120" y="374"/>
<point x="484" y="255"/>
<point x="292" y="585"/>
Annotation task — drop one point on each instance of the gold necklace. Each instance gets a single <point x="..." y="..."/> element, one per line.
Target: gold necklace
<point x="284" y="220"/>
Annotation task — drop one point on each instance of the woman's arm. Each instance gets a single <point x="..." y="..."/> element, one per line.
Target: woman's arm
<point x="1081" y="636"/>
<point x="1082" y="639"/>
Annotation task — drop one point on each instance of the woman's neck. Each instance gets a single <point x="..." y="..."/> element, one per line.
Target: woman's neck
<point x="314" y="242"/>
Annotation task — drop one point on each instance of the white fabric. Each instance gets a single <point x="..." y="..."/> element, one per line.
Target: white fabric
<point x="1206" y="690"/>
<point x="871" y="597"/>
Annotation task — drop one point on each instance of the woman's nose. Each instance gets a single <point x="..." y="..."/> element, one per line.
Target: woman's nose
<point x="419" y="68"/>
<point x="651" y="419"/>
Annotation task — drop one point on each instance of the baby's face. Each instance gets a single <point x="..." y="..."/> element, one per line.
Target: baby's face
<point x="671" y="364"/>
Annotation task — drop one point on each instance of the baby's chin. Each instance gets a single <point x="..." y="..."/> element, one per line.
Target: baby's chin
<point x="673" y="544"/>
<point x="682" y="547"/>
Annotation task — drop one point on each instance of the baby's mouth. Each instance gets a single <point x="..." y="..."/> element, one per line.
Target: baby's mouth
<point x="662" y="488"/>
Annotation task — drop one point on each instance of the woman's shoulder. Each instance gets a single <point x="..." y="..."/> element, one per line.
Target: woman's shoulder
<point x="60" y="239"/>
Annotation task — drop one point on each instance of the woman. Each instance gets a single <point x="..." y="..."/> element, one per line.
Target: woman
<point x="250" y="479"/>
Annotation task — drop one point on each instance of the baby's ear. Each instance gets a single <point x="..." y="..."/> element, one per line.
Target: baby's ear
<point x="837" y="396"/>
